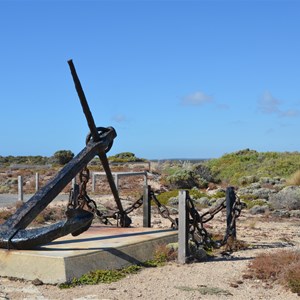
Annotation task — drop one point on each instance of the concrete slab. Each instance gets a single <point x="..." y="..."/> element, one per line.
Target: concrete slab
<point x="100" y="247"/>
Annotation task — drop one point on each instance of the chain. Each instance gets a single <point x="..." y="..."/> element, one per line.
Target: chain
<point x="199" y="234"/>
<point x="79" y="199"/>
<point x="235" y="213"/>
<point x="163" y="211"/>
<point x="197" y="231"/>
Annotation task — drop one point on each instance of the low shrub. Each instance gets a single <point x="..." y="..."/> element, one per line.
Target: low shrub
<point x="4" y="215"/>
<point x="186" y="179"/>
<point x="282" y="266"/>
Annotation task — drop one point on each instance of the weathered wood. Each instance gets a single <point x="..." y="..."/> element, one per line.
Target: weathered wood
<point x="146" y="207"/>
<point x="230" y="200"/>
<point x="183" y="229"/>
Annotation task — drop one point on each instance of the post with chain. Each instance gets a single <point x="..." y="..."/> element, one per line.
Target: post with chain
<point x="230" y="200"/>
<point x="147" y="206"/>
<point x="183" y="228"/>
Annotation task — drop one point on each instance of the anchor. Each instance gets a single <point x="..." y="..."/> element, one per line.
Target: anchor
<point x="13" y="233"/>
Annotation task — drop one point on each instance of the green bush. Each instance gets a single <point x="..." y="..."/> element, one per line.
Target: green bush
<point x="25" y="160"/>
<point x="186" y="179"/>
<point x="164" y="198"/>
<point x="62" y="157"/>
<point x="232" y="167"/>
<point x="125" y="157"/>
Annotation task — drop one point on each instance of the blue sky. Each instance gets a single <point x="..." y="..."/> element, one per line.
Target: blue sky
<point x="176" y="79"/>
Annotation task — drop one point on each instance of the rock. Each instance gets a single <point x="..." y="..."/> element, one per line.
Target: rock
<point x="257" y="209"/>
<point x="197" y="253"/>
<point x="219" y="201"/>
<point x="281" y="213"/>
<point x="295" y="213"/>
<point x="203" y="201"/>
<point x="37" y="282"/>
<point x="173" y="201"/>
<point x="288" y="198"/>
<point x="263" y="192"/>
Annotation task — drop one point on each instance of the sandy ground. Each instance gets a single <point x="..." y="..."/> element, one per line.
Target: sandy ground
<point x="220" y="277"/>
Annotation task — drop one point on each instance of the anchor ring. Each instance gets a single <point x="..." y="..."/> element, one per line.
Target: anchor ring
<point x="100" y="130"/>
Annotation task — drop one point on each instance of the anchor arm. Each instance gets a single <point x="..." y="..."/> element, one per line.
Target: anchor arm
<point x="28" y="212"/>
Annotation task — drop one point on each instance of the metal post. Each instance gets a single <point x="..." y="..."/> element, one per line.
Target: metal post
<point x="183" y="251"/>
<point x="20" y="188"/>
<point x="230" y="200"/>
<point x="146" y="207"/>
<point x="37" y="179"/>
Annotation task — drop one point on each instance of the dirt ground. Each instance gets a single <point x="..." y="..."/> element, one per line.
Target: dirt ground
<point x="220" y="277"/>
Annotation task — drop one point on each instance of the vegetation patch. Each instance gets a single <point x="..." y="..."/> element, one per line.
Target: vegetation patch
<point x="232" y="167"/>
<point x="125" y="157"/>
<point x="101" y="276"/>
<point x="164" y="198"/>
<point x="162" y="254"/>
<point x="251" y="203"/>
<point x="282" y="266"/>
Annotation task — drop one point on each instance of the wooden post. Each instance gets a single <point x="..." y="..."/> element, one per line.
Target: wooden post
<point x="230" y="200"/>
<point x="183" y="229"/>
<point x="37" y="179"/>
<point x="20" y="189"/>
<point x="146" y="207"/>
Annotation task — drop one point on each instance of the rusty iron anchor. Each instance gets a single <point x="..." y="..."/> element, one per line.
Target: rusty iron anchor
<point x="13" y="233"/>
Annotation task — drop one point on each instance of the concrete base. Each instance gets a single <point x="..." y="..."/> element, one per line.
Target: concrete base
<point x="100" y="247"/>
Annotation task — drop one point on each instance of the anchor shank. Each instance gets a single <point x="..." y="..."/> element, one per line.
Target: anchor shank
<point x="84" y="104"/>
<point x="111" y="181"/>
<point x="95" y="135"/>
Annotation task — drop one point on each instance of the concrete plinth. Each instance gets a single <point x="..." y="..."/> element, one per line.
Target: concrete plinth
<point x="100" y="247"/>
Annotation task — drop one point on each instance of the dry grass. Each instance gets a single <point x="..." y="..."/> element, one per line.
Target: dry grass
<point x="48" y="215"/>
<point x="163" y="253"/>
<point x="282" y="266"/>
<point x="294" y="179"/>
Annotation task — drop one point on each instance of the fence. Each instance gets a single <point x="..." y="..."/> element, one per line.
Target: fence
<point x="116" y="176"/>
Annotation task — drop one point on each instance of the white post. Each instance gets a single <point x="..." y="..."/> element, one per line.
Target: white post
<point x="93" y="182"/>
<point x="116" y="177"/>
<point x="37" y="177"/>
<point x="73" y="182"/>
<point x="20" y="188"/>
<point x="183" y="229"/>
<point x="145" y="180"/>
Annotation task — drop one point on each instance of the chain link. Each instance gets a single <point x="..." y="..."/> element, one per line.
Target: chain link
<point x="163" y="210"/>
